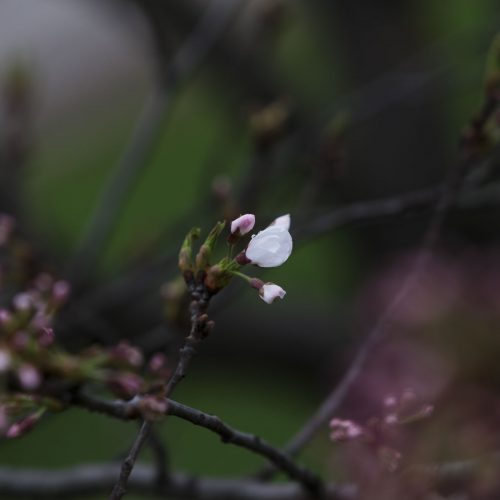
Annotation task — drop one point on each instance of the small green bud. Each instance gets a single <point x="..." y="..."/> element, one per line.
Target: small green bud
<point x="205" y="252"/>
<point x="185" y="254"/>
<point x="219" y="275"/>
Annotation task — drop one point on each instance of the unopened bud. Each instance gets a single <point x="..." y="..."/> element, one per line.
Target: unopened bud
<point x="205" y="252"/>
<point x="243" y="224"/>
<point x="186" y="251"/>
<point x="125" y="385"/>
<point x="157" y="362"/>
<point x="125" y="353"/>
<point x="23" y="302"/>
<point x="46" y="337"/>
<point x="23" y="426"/>
<point x="60" y="292"/>
<point x="29" y="377"/>
<point x="5" y="318"/>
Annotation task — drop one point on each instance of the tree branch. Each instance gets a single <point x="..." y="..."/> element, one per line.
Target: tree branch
<point x="131" y="410"/>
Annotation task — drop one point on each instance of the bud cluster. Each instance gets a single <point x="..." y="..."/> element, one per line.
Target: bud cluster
<point x="270" y="247"/>
<point x="32" y="364"/>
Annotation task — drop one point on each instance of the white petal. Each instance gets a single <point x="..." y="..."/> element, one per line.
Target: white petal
<point x="270" y="292"/>
<point x="270" y="248"/>
<point x="283" y="221"/>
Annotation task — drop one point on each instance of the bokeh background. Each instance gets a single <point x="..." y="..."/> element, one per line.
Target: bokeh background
<point x="155" y="116"/>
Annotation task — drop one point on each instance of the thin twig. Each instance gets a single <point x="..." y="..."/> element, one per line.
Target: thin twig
<point x="128" y="464"/>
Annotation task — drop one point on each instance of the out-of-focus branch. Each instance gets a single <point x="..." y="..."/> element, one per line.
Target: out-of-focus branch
<point x="119" y="489"/>
<point x="471" y="196"/>
<point x="445" y="201"/>
<point x="98" y="478"/>
<point x="147" y="133"/>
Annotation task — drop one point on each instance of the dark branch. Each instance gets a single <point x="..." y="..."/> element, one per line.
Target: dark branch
<point x="131" y="410"/>
<point x="471" y="196"/>
<point x="119" y="488"/>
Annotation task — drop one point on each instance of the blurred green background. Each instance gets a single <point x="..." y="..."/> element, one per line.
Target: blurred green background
<point x="76" y="145"/>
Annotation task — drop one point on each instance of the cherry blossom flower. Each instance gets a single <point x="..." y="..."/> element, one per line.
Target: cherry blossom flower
<point x="272" y="246"/>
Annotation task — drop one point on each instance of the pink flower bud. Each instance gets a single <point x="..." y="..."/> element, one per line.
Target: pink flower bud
<point x="270" y="292"/>
<point x="22" y="426"/>
<point x="60" y="292"/>
<point x="46" y="337"/>
<point x="124" y="352"/>
<point x="270" y="248"/>
<point x="158" y="362"/>
<point x="391" y="419"/>
<point x="390" y="401"/>
<point x="5" y="317"/>
<point x="40" y="321"/>
<point x="125" y="385"/>
<point x="29" y="377"/>
<point x="243" y="224"/>
<point x="23" y="302"/>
